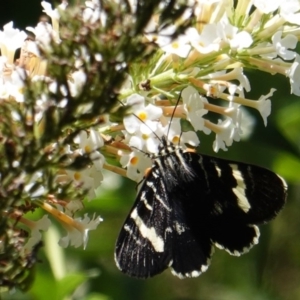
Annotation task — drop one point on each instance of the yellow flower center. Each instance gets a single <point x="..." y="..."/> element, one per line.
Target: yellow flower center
<point x="142" y="115"/>
<point x="87" y="149"/>
<point x="77" y="176"/>
<point x="134" y="160"/>
<point x="175" y="45"/>
<point x="175" y="139"/>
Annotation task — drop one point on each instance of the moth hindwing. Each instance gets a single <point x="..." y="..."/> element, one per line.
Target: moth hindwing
<point x="187" y="204"/>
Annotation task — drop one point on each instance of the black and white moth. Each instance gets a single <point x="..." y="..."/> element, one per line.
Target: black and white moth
<point x="187" y="204"/>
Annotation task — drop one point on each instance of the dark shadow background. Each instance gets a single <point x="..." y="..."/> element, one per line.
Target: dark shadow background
<point x="22" y="12"/>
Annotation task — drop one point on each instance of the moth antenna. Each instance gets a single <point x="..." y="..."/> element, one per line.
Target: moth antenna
<point x="145" y="153"/>
<point x="172" y="116"/>
<point x="148" y="127"/>
<point x="180" y="138"/>
<point x="173" y="113"/>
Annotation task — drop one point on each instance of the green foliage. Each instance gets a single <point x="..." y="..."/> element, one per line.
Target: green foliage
<point x="288" y="120"/>
<point x="68" y="284"/>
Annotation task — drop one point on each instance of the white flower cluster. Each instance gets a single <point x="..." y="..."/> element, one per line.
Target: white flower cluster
<point x="209" y="59"/>
<point x="13" y="73"/>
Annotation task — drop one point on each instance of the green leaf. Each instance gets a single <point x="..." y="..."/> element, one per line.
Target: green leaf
<point x="44" y="287"/>
<point x="288" y="166"/>
<point x="97" y="296"/>
<point x="186" y="125"/>
<point x="69" y="283"/>
<point x="288" y="119"/>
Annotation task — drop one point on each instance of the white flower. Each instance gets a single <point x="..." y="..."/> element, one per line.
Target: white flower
<point x="53" y="13"/>
<point x="289" y="10"/>
<point x="282" y="44"/>
<point x="225" y="135"/>
<point x="73" y="206"/>
<point x="234" y="112"/>
<point x="231" y="34"/>
<point x="89" y="178"/>
<point x="180" y="46"/>
<point x="175" y="134"/>
<point x="92" y="12"/>
<point x="144" y="139"/>
<point x="142" y="124"/>
<point x="163" y="38"/>
<point x="10" y="40"/>
<point x="12" y="86"/>
<point x="142" y="115"/>
<point x="241" y="40"/>
<point x="294" y="74"/>
<point x="194" y="107"/>
<point x="77" y="83"/>
<point x="47" y="8"/>
<point x="43" y="33"/>
<point x="264" y="105"/>
<point x="33" y="187"/>
<point x="136" y="163"/>
<point x="235" y="74"/>
<point x="42" y="104"/>
<point x="267" y="6"/>
<point x="206" y="42"/>
<point x="141" y="112"/>
<point x="79" y="236"/>
<point x="36" y="227"/>
<point x="89" y="143"/>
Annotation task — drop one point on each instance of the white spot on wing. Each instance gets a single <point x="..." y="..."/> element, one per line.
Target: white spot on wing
<point x="161" y="200"/>
<point x="242" y="199"/>
<point x="194" y="273"/>
<point x="148" y="233"/>
<point x="256" y="238"/>
<point x="151" y="185"/>
<point x="179" y="275"/>
<point x="154" y="173"/>
<point x="128" y="229"/>
<point x="283" y="182"/>
<point x="183" y="164"/>
<point x="117" y="261"/>
<point x="179" y="228"/>
<point x="219" y="246"/>
<point x="168" y="229"/>
<point x="240" y="189"/>
<point x="218" y="170"/>
<point x="144" y="199"/>
<point x="204" y="267"/>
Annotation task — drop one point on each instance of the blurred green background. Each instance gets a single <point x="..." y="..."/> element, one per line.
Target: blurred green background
<point x="270" y="271"/>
